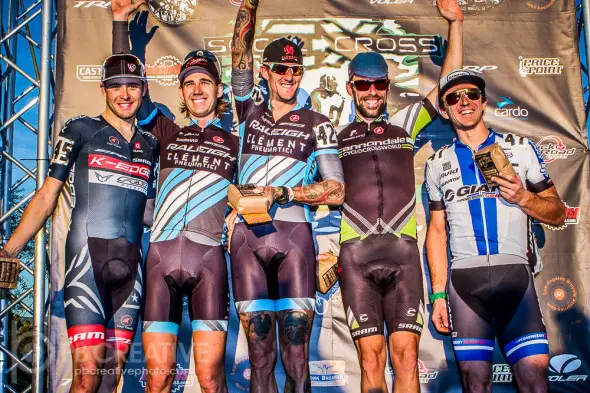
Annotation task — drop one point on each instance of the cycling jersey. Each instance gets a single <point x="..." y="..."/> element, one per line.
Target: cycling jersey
<point x="481" y="221"/>
<point x="378" y="163"/>
<point x="196" y="167"/>
<point x="110" y="181"/>
<point x="112" y="177"/>
<point x="495" y="299"/>
<point x="185" y="255"/>
<point x="288" y="152"/>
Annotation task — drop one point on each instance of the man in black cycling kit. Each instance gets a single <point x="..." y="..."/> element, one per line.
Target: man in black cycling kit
<point x="490" y="289"/>
<point x="283" y="147"/>
<point x="111" y="164"/>
<point x="380" y="273"/>
<point x="186" y="258"/>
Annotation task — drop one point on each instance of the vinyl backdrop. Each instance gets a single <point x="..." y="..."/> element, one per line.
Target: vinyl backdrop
<point x="527" y="50"/>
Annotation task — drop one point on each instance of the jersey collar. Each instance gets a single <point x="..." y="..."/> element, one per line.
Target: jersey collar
<point x="382" y="117"/>
<point x="216" y="122"/>
<point x="489" y="140"/>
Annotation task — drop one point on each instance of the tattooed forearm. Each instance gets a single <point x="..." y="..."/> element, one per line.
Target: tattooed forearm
<point x="327" y="192"/>
<point x="243" y="38"/>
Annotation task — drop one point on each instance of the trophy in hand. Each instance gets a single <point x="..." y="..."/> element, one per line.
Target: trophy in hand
<point x="250" y="202"/>
<point x="492" y="161"/>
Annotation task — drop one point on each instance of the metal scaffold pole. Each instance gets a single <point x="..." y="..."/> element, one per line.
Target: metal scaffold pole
<point x="39" y="354"/>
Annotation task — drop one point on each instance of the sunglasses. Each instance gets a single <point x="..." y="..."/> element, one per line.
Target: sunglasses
<point x="282" y="69"/>
<point x="365" y="85"/>
<point x="453" y="98"/>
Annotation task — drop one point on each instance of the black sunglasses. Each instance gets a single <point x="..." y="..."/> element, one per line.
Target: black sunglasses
<point x="365" y="85"/>
<point x="282" y="69"/>
<point x="453" y="98"/>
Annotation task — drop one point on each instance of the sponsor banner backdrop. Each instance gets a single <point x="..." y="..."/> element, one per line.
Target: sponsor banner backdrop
<point x="534" y="90"/>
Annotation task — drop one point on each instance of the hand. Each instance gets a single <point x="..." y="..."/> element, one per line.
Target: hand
<point x="327" y="257"/>
<point x="511" y="189"/>
<point x="440" y="316"/>
<point x="121" y="9"/>
<point x="450" y="10"/>
<point x="230" y="223"/>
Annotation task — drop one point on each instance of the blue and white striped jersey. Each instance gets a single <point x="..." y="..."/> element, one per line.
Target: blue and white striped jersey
<point x="481" y="222"/>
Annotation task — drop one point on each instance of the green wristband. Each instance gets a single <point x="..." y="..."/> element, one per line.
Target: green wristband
<point x="438" y="295"/>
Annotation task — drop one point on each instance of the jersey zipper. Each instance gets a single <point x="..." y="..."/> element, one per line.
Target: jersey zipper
<point x="379" y="182"/>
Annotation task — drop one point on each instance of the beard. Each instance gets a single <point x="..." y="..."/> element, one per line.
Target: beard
<point x="370" y="113"/>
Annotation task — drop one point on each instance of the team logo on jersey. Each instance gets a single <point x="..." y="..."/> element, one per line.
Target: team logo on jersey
<point x="126" y="320"/>
<point x="218" y="139"/>
<point x="294" y="118"/>
<point x="447" y="166"/>
<point x="113" y="140"/>
<point x="137" y="145"/>
<point x="378" y="130"/>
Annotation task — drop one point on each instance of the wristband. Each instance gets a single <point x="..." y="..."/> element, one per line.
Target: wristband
<point x="438" y="295"/>
<point x="285" y="196"/>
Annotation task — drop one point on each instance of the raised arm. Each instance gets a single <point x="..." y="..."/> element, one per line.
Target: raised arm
<point x="121" y="10"/>
<point x="243" y="39"/>
<point x="450" y="10"/>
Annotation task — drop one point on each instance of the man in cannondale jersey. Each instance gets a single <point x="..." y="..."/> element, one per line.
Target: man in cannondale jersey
<point x="110" y="165"/>
<point x="283" y="149"/>
<point x="490" y="291"/>
<point x="186" y="258"/>
<point x="380" y="272"/>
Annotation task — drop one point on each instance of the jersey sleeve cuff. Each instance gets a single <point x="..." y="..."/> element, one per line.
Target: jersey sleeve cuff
<point x="541" y="186"/>
<point x="436" y="205"/>
<point x="429" y="108"/>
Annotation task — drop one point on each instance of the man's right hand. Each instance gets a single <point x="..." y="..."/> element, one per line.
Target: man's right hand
<point x="440" y="316"/>
<point x="123" y="8"/>
<point x="230" y="222"/>
<point x="5" y="254"/>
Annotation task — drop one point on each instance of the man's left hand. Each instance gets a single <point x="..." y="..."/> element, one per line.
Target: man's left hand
<point x="511" y="189"/>
<point x="450" y="10"/>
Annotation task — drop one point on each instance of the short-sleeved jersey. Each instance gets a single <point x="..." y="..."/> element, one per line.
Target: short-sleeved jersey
<point x="481" y="222"/>
<point x="196" y="167"/>
<point x="291" y="151"/>
<point x="378" y="163"/>
<point x="111" y="178"/>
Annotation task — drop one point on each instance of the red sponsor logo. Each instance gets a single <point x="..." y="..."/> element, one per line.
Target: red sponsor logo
<point x="218" y="139"/>
<point x="572" y="217"/>
<point x="378" y="130"/>
<point x="196" y="61"/>
<point x="86" y="335"/>
<point x="120" y="339"/>
<point x="421" y="367"/>
<point x="106" y="162"/>
<point x="113" y="140"/>
<point x="552" y="148"/>
<point x="131" y="67"/>
<point x="127" y="320"/>
<point x="137" y="145"/>
<point x="294" y="118"/>
<point x="289" y="50"/>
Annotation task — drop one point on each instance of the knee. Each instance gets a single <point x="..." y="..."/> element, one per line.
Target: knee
<point x="86" y="381"/>
<point x="373" y="361"/>
<point x="116" y="273"/>
<point x="405" y="358"/>
<point x="476" y="383"/>
<point x="211" y="378"/>
<point x="158" y="383"/>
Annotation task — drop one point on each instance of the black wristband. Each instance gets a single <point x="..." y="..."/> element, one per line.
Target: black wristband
<point x="284" y="198"/>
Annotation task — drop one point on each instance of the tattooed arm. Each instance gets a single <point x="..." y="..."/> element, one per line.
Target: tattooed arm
<point x="327" y="192"/>
<point x="242" y="58"/>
